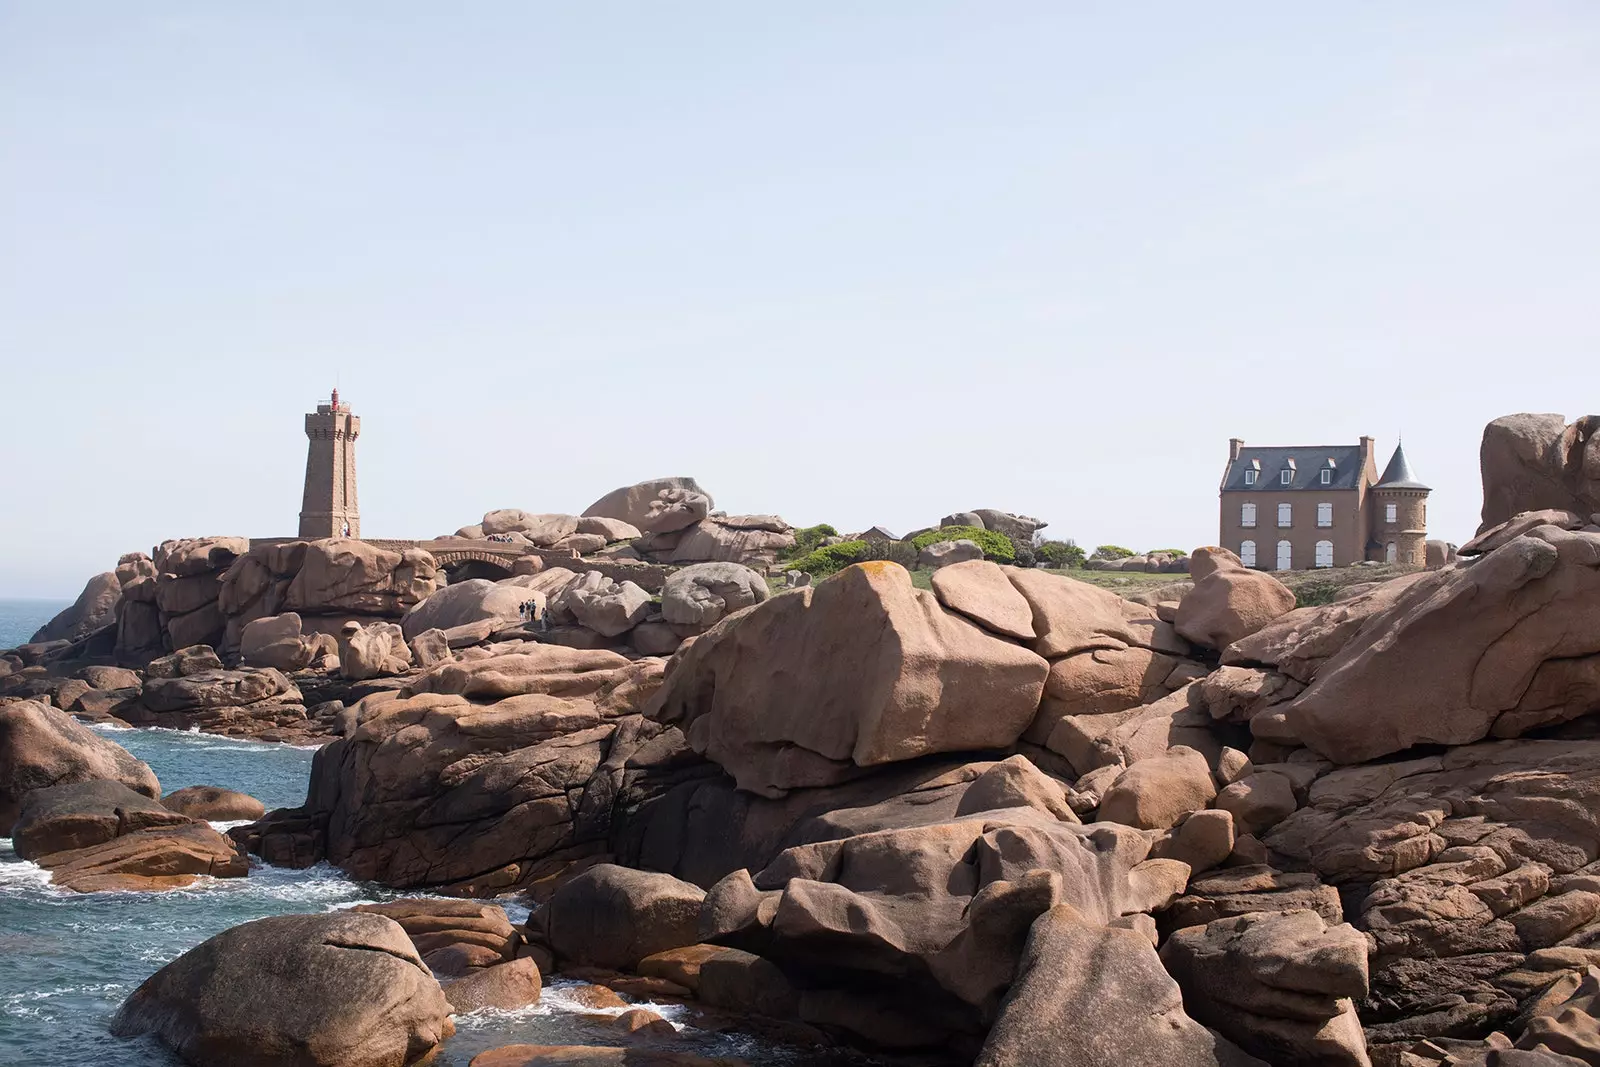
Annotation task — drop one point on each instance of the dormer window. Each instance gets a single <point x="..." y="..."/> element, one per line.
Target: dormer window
<point x="1327" y="476"/>
<point x="1250" y="477"/>
<point x="1285" y="476"/>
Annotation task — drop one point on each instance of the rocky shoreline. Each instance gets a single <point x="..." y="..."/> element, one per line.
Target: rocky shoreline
<point x="1010" y="818"/>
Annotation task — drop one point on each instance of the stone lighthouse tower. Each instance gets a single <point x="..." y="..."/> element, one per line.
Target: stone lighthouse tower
<point x="1400" y="513"/>
<point x="328" y="508"/>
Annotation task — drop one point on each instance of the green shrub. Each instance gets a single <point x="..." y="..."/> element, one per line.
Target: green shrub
<point x="1023" y="551"/>
<point x="825" y="561"/>
<point x="1060" y="554"/>
<point x="1315" y="592"/>
<point x="996" y="546"/>
<point x="807" y="540"/>
<point x="1111" y="552"/>
<point x="1167" y="551"/>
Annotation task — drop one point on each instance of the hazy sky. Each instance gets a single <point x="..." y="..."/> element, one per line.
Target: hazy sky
<point x="854" y="263"/>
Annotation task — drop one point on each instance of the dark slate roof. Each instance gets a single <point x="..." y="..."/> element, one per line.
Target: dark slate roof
<point x="1397" y="475"/>
<point x="1308" y="461"/>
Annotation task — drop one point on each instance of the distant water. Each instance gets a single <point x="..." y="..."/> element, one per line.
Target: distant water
<point x="20" y="619"/>
<point x="67" y="960"/>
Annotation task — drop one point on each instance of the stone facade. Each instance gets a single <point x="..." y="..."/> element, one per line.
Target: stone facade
<point x="1301" y="507"/>
<point x="328" y="508"/>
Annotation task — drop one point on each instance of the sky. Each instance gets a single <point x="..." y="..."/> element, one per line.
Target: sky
<point x="848" y="263"/>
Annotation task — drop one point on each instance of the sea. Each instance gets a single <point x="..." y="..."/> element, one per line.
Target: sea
<point x="68" y="960"/>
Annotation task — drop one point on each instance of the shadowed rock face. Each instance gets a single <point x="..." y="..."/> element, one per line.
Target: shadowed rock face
<point x="338" y="990"/>
<point x="95" y="607"/>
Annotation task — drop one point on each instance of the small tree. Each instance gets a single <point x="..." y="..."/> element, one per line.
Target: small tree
<point x="1060" y="554"/>
<point x="1111" y="552"/>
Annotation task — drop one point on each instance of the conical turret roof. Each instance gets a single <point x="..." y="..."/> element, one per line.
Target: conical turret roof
<point x="1397" y="475"/>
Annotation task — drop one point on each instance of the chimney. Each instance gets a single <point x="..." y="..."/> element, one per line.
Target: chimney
<point x="1236" y="445"/>
<point x="1369" y="463"/>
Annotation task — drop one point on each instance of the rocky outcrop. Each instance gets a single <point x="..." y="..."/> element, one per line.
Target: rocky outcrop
<point x="924" y="925"/>
<point x="1534" y="462"/>
<point x="701" y="595"/>
<point x="944" y="553"/>
<point x="808" y="688"/>
<point x="336" y="990"/>
<point x="719" y="539"/>
<point x="1283" y="985"/>
<point x="662" y="505"/>
<point x="347" y="576"/>
<point x="187" y="589"/>
<point x="42" y="747"/>
<point x="102" y="835"/>
<point x="1229" y="601"/>
<point x="613" y="917"/>
<point x="603" y="605"/>
<point x="95" y="609"/>
<point x="276" y="641"/>
<point x="479" y="777"/>
<point x="372" y="651"/>
<point x="248" y="702"/>
<point x="1494" y="647"/>
<point x="475" y="600"/>
<point x="1090" y="996"/>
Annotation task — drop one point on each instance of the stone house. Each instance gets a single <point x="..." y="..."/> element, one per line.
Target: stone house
<point x="1304" y="506"/>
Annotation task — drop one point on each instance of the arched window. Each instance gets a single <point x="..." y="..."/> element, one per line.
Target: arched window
<point x="1324" y="553"/>
<point x="1285" y="556"/>
<point x="1247" y="514"/>
<point x="1247" y="553"/>
<point x="1390" y="553"/>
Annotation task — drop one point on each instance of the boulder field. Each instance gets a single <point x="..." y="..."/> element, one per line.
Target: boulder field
<point x="1009" y="819"/>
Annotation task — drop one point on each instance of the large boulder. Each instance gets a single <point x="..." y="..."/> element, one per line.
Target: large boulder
<point x="1497" y="647"/>
<point x="373" y="650"/>
<point x="275" y="641"/>
<point x="60" y="818"/>
<point x="101" y="835"/>
<point x="467" y="602"/>
<point x="720" y="539"/>
<point x="342" y="575"/>
<point x="336" y="990"/>
<point x="453" y="937"/>
<point x="1229" y="601"/>
<point x="490" y="776"/>
<point x="944" y="553"/>
<point x="213" y="803"/>
<point x="1154" y="794"/>
<point x="702" y="594"/>
<point x="40" y="746"/>
<point x="1106" y="655"/>
<point x="613" y="917"/>
<point x="925" y="924"/>
<point x="606" y="606"/>
<point x="542" y="531"/>
<point x="1018" y="527"/>
<point x="658" y="506"/>
<point x="1086" y="995"/>
<point x="95" y="609"/>
<point x="859" y="671"/>
<point x="1282" y="985"/>
<point x="1534" y="462"/>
